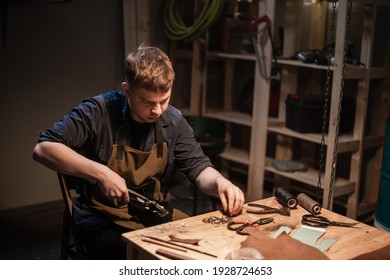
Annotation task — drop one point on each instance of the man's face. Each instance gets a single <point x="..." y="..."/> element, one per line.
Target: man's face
<point x="146" y="106"/>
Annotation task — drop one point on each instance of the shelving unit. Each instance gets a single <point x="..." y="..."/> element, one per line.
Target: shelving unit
<point x="358" y="141"/>
<point x="260" y="125"/>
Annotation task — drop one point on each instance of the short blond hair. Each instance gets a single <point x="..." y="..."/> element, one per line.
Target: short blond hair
<point x="149" y="68"/>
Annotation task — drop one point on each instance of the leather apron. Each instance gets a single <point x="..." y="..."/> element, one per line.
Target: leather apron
<point x="142" y="172"/>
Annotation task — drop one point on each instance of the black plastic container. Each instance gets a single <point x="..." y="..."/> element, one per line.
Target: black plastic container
<point x="304" y="113"/>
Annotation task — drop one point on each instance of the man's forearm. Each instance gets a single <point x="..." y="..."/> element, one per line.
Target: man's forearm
<point x="63" y="159"/>
<point x="207" y="181"/>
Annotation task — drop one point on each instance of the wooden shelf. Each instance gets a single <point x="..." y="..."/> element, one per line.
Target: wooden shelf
<point x="351" y="72"/>
<point x="310" y="177"/>
<point x="232" y="117"/>
<point x="222" y="55"/>
<point x="291" y="81"/>
<point x="239" y="118"/>
<point x="235" y="155"/>
<point x="345" y="142"/>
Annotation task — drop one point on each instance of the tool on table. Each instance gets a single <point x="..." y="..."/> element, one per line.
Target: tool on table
<point x="320" y="221"/>
<point x="285" y="198"/>
<point x="179" y="245"/>
<point x="243" y="225"/>
<point x="309" y="204"/>
<point x="285" y="211"/>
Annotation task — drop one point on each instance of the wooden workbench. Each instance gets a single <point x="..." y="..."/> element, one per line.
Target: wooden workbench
<point x="218" y="240"/>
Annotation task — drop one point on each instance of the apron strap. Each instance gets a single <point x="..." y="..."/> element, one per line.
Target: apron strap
<point x="159" y="138"/>
<point x="121" y="143"/>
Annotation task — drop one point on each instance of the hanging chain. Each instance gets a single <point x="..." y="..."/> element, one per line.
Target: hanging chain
<point x="334" y="160"/>
<point x="326" y="100"/>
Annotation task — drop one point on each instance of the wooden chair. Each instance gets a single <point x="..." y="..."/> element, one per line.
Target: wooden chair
<point x="71" y="244"/>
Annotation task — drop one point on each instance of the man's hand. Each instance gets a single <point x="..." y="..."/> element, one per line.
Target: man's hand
<point x="232" y="197"/>
<point x="211" y="182"/>
<point x="114" y="187"/>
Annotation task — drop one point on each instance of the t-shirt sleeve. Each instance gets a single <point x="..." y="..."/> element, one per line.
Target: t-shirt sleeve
<point x="189" y="155"/>
<point x="77" y="127"/>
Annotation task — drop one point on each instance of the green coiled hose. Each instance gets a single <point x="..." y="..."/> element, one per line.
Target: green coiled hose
<point x="176" y="29"/>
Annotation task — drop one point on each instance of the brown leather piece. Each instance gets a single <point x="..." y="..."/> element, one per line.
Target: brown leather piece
<point x="284" y="247"/>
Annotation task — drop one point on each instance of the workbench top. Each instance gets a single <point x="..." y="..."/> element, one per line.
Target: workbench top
<point x="217" y="240"/>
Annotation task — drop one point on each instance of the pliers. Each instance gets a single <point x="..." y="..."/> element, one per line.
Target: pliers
<point x="285" y="211"/>
<point x="239" y="229"/>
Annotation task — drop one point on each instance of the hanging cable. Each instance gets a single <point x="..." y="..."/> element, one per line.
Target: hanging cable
<point x="176" y="29"/>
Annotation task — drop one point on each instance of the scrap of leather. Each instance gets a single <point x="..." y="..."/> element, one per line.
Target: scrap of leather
<point x="193" y="241"/>
<point x="310" y="236"/>
<point x="284" y="247"/>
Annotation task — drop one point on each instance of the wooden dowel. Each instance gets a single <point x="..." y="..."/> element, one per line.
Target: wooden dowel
<point x="163" y="244"/>
<point x="172" y="255"/>
<point x="182" y="246"/>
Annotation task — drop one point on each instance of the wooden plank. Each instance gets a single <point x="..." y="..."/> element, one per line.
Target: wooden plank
<point x="136" y="29"/>
<point x="260" y="113"/>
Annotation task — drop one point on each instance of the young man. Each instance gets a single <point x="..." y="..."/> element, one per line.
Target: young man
<point x="120" y="140"/>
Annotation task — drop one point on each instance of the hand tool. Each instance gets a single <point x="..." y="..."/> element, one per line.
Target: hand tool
<point x="243" y="225"/>
<point x="148" y="204"/>
<point x="253" y="26"/>
<point x="285" y="211"/>
<point x="320" y="221"/>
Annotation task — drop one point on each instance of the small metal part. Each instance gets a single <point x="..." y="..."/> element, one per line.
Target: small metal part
<point x="217" y="220"/>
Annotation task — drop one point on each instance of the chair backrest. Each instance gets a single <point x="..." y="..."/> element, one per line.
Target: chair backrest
<point x="65" y="190"/>
<point x="74" y="247"/>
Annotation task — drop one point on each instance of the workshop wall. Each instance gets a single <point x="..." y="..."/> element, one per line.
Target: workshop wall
<point x="54" y="55"/>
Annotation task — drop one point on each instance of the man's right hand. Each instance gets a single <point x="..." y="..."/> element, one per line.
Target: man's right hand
<point x="114" y="187"/>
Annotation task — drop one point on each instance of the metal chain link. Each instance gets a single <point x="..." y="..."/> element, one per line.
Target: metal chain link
<point x="326" y="99"/>
<point x="334" y="160"/>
